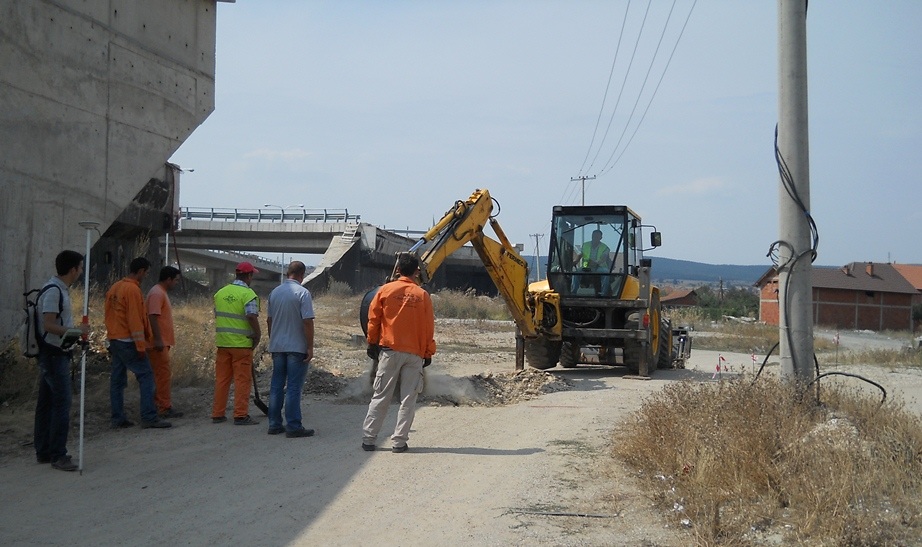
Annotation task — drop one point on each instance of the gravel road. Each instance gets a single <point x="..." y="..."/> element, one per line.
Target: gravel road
<point x="527" y="473"/>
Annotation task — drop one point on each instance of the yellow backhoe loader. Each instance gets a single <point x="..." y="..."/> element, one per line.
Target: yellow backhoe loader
<point x="596" y="305"/>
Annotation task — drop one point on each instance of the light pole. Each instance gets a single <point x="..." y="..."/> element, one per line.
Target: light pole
<point x="282" y="219"/>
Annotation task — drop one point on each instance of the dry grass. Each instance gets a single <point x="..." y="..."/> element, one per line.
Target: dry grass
<point x="466" y="305"/>
<point x="846" y="472"/>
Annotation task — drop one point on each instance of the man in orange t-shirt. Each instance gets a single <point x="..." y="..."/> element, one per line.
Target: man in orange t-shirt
<point x="128" y="332"/>
<point x="401" y="329"/>
<point x="160" y="313"/>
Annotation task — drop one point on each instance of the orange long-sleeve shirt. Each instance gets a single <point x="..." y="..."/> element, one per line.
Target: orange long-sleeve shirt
<point x="400" y="317"/>
<point x="126" y="315"/>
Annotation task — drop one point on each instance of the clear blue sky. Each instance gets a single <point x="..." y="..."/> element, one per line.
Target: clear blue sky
<point x="394" y="110"/>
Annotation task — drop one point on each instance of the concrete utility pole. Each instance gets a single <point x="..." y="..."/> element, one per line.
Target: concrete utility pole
<point x="537" y="255"/>
<point x="583" y="180"/>
<point x="795" y="290"/>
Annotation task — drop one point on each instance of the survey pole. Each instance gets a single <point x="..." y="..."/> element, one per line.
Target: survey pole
<point x="89" y="226"/>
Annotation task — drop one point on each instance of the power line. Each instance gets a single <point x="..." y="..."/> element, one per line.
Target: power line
<point x="619" y="150"/>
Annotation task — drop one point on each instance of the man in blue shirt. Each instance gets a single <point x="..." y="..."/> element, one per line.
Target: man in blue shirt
<point x="291" y="342"/>
<point x="52" y="410"/>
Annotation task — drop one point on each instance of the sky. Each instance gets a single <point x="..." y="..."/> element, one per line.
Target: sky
<point x="395" y="110"/>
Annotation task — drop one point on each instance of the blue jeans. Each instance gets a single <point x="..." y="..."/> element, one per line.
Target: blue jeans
<point x="125" y="357"/>
<point x="287" y="368"/>
<point x="52" y="411"/>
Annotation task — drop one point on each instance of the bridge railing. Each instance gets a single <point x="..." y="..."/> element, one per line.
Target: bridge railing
<point x="267" y="215"/>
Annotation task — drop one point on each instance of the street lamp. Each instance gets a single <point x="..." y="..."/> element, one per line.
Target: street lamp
<point x="282" y="219"/>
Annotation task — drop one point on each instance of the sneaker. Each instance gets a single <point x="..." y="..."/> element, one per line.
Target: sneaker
<point x="218" y="419"/>
<point x="43" y="459"/>
<point x="64" y="463"/>
<point x="156" y="424"/>
<point x="170" y="413"/>
<point x="124" y="424"/>
<point x="276" y="430"/>
<point x="246" y="420"/>
<point x="399" y="449"/>
<point x="300" y="433"/>
<point x="368" y="447"/>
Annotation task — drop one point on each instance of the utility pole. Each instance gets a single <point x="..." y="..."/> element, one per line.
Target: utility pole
<point x="537" y="255"/>
<point x="795" y="286"/>
<point x="583" y="180"/>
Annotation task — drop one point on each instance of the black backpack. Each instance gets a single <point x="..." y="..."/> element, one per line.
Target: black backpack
<point x="29" y="339"/>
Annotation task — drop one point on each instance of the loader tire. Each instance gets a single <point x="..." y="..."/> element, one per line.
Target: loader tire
<point x="633" y="349"/>
<point x="541" y="353"/>
<point x="569" y="354"/>
<point x="665" y="345"/>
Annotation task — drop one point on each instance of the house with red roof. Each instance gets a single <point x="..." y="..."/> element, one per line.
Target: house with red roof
<point x="858" y="296"/>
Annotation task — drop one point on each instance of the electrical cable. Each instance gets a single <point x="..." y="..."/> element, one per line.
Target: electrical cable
<point x="655" y="90"/>
<point x="627" y="73"/>
<point x="618" y="149"/>
<point x="611" y="73"/>
<point x="643" y="86"/>
<point x="776" y="255"/>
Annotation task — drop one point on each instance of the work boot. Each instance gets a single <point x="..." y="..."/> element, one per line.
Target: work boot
<point x="399" y="449"/>
<point x="170" y="413"/>
<point x="64" y="463"/>
<point x="300" y="433"/>
<point x="246" y="420"/>
<point x="156" y="424"/>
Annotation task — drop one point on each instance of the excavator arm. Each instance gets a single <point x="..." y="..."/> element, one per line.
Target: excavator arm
<point x="464" y="223"/>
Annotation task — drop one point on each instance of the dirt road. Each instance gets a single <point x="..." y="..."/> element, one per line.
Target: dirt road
<point x="532" y="472"/>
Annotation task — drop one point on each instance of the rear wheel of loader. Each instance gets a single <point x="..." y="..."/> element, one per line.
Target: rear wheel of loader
<point x="569" y="354"/>
<point x="541" y="353"/>
<point x="665" y="345"/>
<point x="633" y="349"/>
<point x="656" y="333"/>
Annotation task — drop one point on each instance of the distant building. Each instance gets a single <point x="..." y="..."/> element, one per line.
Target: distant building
<point x="680" y="298"/>
<point x="859" y="296"/>
<point x="913" y="274"/>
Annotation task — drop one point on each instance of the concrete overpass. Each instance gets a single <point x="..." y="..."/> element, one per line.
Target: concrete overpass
<point x="357" y="254"/>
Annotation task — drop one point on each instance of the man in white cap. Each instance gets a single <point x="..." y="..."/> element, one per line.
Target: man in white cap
<point x="237" y="332"/>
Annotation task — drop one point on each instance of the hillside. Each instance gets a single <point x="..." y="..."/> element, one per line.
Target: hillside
<point x="675" y="271"/>
<point x="671" y="270"/>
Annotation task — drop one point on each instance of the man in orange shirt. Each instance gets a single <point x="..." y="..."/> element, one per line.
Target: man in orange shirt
<point x="128" y="332"/>
<point x="160" y="314"/>
<point x="401" y="335"/>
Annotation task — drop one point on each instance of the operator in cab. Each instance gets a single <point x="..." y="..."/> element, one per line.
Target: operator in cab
<point x="594" y="257"/>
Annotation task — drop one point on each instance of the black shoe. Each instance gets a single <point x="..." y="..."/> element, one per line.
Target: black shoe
<point x="368" y="447"/>
<point x="276" y="430"/>
<point x="64" y="463"/>
<point x="124" y="424"/>
<point x="156" y="424"/>
<point x="43" y="459"/>
<point x="300" y="433"/>
<point x="246" y="420"/>
<point x="399" y="449"/>
<point x="170" y="413"/>
<point x="218" y="419"/>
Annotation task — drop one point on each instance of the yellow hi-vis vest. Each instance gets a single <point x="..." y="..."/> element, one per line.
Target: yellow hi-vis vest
<point x="231" y="326"/>
<point x="587" y="254"/>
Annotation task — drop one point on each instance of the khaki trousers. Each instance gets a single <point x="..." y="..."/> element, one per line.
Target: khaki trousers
<point x="394" y="367"/>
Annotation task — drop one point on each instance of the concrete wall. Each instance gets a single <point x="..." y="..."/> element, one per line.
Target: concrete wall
<point x="95" y="96"/>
